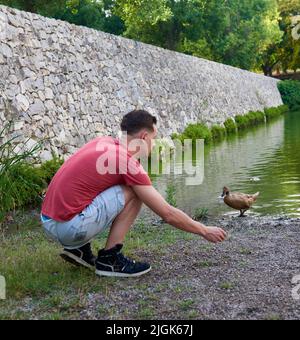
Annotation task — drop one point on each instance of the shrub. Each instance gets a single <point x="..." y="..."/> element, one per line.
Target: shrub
<point x="242" y="121"/>
<point x="230" y="126"/>
<point x="290" y="93"/>
<point x="22" y="181"/>
<point x="218" y="132"/>
<point x="48" y="169"/>
<point x="252" y="118"/>
<point x="19" y="181"/>
<point x="276" y="111"/>
<point x="197" y="131"/>
<point x="256" y="118"/>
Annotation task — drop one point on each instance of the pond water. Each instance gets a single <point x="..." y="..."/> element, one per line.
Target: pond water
<point x="264" y="159"/>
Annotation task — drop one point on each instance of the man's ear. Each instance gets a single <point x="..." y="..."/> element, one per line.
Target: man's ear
<point x="143" y="134"/>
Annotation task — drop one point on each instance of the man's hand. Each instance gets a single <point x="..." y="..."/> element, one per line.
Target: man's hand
<point x="214" y="235"/>
<point x="177" y="218"/>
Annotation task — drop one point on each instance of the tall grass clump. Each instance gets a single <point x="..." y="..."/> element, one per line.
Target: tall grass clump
<point x="256" y="118"/>
<point x="274" y="112"/>
<point x="194" y="132"/>
<point x="22" y="180"/>
<point x="18" y="183"/>
<point x="218" y="132"/>
<point x="242" y="121"/>
<point x="230" y="126"/>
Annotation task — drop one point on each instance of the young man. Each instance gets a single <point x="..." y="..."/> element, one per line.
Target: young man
<point x="103" y="185"/>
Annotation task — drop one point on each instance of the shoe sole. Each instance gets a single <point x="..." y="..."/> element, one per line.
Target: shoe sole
<point x="76" y="261"/>
<point x="115" y="274"/>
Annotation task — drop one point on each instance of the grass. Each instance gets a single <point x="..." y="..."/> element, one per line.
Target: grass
<point x="171" y="195"/>
<point x="242" y="121"/>
<point x="245" y="251"/>
<point x="217" y="133"/>
<point x="206" y="264"/>
<point x="275" y="112"/>
<point x="230" y="126"/>
<point x="197" y="131"/>
<point x="54" y="289"/>
<point x="186" y="305"/>
<point x="22" y="182"/>
<point x="227" y="285"/>
<point x="200" y="214"/>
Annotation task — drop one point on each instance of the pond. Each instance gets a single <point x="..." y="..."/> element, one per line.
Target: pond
<point x="264" y="159"/>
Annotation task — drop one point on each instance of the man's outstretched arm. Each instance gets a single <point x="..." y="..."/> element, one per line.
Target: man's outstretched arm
<point x="175" y="217"/>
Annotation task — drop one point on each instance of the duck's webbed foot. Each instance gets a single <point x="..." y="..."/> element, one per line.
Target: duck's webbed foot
<point x="242" y="213"/>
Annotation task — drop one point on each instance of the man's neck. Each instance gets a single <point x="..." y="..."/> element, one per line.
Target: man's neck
<point x="125" y="140"/>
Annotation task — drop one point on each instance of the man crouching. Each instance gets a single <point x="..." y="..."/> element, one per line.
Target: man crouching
<point x="104" y="186"/>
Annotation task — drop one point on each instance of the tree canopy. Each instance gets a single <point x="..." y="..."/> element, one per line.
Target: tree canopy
<point x="252" y="34"/>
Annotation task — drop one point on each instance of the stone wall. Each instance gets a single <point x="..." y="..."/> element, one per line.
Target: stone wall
<point x="69" y="83"/>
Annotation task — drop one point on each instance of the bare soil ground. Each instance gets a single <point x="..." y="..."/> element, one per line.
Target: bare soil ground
<point x="247" y="277"/>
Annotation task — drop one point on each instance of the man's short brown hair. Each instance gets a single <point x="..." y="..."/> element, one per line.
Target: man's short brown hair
<point x="137" y="120"/>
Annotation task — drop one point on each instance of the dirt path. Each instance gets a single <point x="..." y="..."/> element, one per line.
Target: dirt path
<point x="247" y="277"/>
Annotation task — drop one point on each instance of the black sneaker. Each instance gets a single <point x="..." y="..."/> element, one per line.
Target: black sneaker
<point x="113" y="263"/>
<point x="80" y="257"/>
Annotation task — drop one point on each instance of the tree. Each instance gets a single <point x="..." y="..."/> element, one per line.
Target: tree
<point x="229" y="31"/>
<point x="46" y="8"/>
<point x="285" y="54"/>
<point x="95" y="14"/>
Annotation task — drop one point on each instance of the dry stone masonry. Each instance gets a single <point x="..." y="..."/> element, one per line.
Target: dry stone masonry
<point x="68" y="84"/>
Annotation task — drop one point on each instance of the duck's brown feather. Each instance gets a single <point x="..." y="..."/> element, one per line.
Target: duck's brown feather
<point x="240" y="201"/>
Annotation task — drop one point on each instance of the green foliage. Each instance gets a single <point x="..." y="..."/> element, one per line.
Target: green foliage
<point x="18" y="183"/>
<point x="242" y="121"/>
<point x="284" y="54"/>
<point x="22" y="182"/>
<point x="250" y="119"/>
<point x="197" y="131"/>
<point x="252" y="34"/>
<point x="232" y="32"/>
<point x="91" y="13"/>
<point x="218" y="132"/>
<point x="274" y="112"/>
<point x="48" y="169"/>
<point x="200" y="214"/>
<point x="290" y="92"/>
<point x="94" y="14"/>
<point x="230" y="126"/>
<point x="256" y="118"/>
<point x="175" y="136"/>
<point x="171" y="195"/>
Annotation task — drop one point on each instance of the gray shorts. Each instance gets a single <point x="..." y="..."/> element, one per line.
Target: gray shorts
<point x="94" y="219"/>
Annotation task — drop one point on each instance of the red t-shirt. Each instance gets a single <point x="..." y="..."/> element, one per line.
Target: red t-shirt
<point x="97" y="166"/>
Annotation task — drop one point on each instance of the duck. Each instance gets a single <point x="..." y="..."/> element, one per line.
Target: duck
<point x="239" y="201"/>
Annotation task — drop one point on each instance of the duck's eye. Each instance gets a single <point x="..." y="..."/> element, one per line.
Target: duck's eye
<point x="227" y="192"/>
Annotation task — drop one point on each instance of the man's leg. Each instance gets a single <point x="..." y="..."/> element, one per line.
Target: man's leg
<point x="110" y="261"/>
<point x="125" y="219"/>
